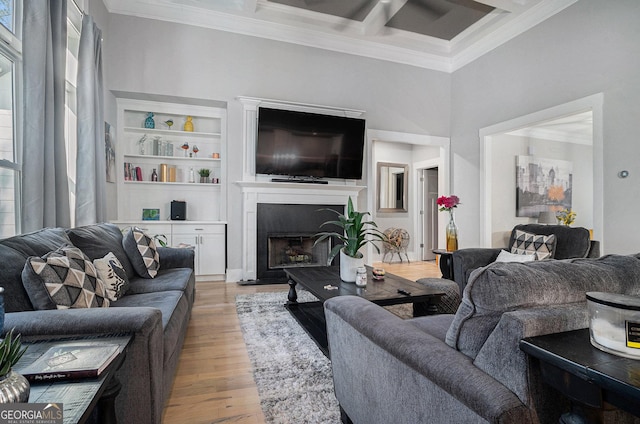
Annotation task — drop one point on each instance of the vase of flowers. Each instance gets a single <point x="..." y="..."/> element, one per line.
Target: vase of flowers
<point x="356" y="232"/>
<point x="566" y="217"/>
<point x="448" y="203"/>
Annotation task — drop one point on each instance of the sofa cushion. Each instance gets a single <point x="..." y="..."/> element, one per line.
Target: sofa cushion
<point x="571" y="242"/>
<point x="142" y="252"/>
<point x="505" y="256"/>
<point x="99" y="239"/>
<point x="113" y="275"/>
<point x="524" y="243"/>
<point x="503" y="287"/>
<point x="182" y="279"/>
<point x="63" y="279"/>
<point x="14" y="252"/>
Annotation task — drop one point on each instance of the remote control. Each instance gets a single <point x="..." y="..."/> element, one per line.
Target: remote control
<point x="406" y="293"/>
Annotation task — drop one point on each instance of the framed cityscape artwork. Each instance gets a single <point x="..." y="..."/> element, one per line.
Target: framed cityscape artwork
<point x="542" y="185"/>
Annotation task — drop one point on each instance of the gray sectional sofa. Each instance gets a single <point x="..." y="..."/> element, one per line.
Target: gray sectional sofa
<point x="467" y="367"/>
<point x="154" y="311"/>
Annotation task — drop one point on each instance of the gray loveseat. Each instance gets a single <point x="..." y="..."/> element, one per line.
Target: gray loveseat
<point x="467" y="367"/>
<point x="154" y="311"/>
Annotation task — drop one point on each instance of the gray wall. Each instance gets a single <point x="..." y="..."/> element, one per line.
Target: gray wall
<point x="148" y="56"/>
<point x="591" y="47"/>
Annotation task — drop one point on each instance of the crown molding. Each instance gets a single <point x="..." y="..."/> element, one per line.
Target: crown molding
<point x="309" y="29"/>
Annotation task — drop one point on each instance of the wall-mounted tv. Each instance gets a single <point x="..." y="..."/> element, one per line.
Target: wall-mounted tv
<point x="301" y="144"/>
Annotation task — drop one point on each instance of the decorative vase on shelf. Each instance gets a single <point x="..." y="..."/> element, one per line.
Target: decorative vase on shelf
<point x="452" y="233"/>
<point x="188" y="125"/>
<point x="149" y="122"/>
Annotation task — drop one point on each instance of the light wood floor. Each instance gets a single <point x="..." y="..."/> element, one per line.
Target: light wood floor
<point x="214" y="381"/>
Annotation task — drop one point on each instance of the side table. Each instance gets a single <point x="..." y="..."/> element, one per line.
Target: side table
<point x="592" y="379"/>
<point x="79" y="397"/>
<point x="446" y="263"/>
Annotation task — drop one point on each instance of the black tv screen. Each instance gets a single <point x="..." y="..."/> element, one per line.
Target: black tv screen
<point x="301" y="144"/>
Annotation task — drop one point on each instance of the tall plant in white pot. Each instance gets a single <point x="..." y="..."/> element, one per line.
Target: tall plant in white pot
<point x="356" y="233"/>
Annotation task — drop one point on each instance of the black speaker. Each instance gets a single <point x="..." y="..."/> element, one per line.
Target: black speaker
<point x="178" y="210"/>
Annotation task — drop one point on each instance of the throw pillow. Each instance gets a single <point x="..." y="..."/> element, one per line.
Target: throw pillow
<point x="112" y="274"/>
<point x="63" y="279"/>
<point x="505" y="256"/>
<point x="142" y="252"/>
<point x="543" y="247"/>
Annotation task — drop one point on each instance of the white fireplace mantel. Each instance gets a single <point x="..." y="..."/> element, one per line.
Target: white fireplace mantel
<point x="255" y="192"/>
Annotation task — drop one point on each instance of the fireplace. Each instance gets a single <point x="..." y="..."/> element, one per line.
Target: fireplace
<point x="285" y="238"/>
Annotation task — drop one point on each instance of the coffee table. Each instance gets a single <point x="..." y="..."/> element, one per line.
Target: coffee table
<point x="79" y="397"/>
<point x="310" y="315"/>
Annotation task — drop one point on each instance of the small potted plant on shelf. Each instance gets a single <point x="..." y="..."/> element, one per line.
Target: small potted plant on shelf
<point x="204" y="175"/>
<point x="13" y="386"/>
<point x="356" y="232"/>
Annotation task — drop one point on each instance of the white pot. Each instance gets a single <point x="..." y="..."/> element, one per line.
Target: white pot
<point x="349" y="267"/>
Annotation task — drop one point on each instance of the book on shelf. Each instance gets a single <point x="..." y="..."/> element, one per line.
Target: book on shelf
<point x="70" y="362"/>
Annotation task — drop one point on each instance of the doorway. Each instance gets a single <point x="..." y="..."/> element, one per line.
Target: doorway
<point x="429" y="212"/>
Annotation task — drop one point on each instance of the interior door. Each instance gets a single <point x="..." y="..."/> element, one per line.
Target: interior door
<point x="429" y="213"/>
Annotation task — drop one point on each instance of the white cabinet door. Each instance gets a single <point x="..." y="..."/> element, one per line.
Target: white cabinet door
<point x="212" y="254"/>
<point x="209" y="242"/>
<point x="191" y="240"/>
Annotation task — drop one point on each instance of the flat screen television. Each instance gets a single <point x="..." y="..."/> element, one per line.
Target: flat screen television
<point x="309" y="145"/>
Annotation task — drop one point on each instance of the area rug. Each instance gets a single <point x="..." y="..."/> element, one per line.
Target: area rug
<point x="292" y="375"/>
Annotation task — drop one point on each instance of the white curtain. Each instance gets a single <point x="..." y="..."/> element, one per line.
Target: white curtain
<point x="45" y="187"/>
<point x="91" y="160"/>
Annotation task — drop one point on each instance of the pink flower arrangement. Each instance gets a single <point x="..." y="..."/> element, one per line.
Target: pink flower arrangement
<point x="447" y="203"/>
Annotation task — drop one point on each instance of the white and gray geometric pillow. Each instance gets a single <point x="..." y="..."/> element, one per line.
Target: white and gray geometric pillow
<point x="113" y="275"/>
<point x="540" y="245"/>
<point x="69" y="277"/>
<point x="142" y="252"/>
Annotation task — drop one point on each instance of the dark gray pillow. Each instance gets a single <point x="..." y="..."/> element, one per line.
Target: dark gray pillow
<point x="97" y="240"/>
<point x="63" y="279"/>
<point x="142" y="252"/>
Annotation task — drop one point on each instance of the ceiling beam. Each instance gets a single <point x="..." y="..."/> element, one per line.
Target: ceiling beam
<point x="509" y="5"/>
<point x="381" y="13"/>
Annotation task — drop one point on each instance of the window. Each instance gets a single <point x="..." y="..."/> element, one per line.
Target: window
<point x="74" y="24"/>
<point x="10" y="66"/>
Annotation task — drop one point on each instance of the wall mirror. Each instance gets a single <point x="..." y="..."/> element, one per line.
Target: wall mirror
<point x="393" y="181"/>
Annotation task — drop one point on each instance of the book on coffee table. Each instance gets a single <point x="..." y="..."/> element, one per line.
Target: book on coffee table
<point x="70" y="362"/>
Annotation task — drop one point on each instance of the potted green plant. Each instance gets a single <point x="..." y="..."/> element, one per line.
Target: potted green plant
<point x="13" y="386"/>
<point x="356" y="233"/>
<point x="204" y="175"/>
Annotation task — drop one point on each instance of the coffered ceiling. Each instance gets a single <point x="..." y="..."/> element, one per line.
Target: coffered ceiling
<point x="436" y="34"/>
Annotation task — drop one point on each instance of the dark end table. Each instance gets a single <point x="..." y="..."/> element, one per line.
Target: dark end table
<point x="592" y="379"/>
<point x="445" y="262"/>
<point x="79" y="397"/>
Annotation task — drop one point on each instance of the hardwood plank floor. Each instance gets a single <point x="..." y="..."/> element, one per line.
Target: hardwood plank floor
<point x="214" y="380"/>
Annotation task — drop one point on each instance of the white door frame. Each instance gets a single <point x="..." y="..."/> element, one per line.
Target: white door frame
<point x="593" y="103"/>
<point x="442" y="162"/>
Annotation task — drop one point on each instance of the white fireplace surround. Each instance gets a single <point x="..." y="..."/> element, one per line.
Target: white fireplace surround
<point x="281" y="193"/>
<point x="255" y="190"/>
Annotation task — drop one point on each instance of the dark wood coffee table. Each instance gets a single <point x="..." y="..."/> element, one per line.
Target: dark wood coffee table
<point x="310" y="315"/>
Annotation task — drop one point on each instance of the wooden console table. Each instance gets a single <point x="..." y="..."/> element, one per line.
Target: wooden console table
<point x="588" y="376"/>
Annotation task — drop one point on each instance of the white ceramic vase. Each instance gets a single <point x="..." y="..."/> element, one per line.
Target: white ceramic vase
<point x="349" y="267"/>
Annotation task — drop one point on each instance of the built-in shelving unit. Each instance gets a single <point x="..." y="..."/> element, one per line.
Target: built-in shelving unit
<point x="144" y="149"/>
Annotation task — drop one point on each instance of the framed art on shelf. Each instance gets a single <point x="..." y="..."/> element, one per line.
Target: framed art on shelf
<point x="150" y="214"/>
